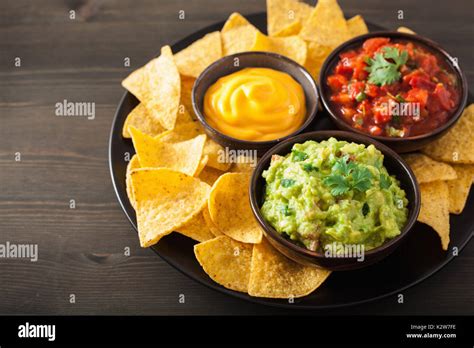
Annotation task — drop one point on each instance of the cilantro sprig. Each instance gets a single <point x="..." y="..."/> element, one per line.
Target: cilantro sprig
<point x="347" y="175"/>
<point x="383" y="68"/>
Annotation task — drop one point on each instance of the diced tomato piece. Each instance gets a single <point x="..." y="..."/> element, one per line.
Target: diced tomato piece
<point x="355" y="88"/>
<point x="344" y="67"/>
<point x="342" y="98"/>
<point x="422" y="82"/>
<point x="371" y="90"/>
<point x="429" y="64"/>
<point x="444" y="97"/>
<point x="371" y="45"/>
<point x="336" y="82"/>
<point x="359" y="69"/>
<point x="418" y="95"/>
<point x="347" y="112"/>
<point x="375" y="130"/>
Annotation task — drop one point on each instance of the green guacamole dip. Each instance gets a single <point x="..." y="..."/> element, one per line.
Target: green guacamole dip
<point x="333" y="192"/>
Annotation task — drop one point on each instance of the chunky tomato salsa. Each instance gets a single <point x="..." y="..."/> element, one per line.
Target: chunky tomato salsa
<point x="393" y="88"/>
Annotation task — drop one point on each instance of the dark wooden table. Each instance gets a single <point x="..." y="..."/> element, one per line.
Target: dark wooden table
<point x="81" y="250"/>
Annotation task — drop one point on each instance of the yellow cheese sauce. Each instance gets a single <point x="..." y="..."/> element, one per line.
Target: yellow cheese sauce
<point x="255" y="104"/>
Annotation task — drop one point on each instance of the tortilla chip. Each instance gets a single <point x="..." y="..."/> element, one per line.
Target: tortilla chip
<point x="189" y="130"/>
<point x="184" y="156"/>
<point x="243" y="164"/>
<point x="239" y="39"/>
<point x="357" y="26"/>
<point x="196" y="229"/>
<point x="165" y="201"/>
<point x="226" y="261"/>
<point x="202" y="165"/>
<point x="187" y="84"/>
<point x="428" y="170"/>
<point x="134" y="163"/>
<point x="457" y="144"/>
<point x="141" y="119"/>
<point x="326" y="24"/>
<point x="405" y="30"/>
<point x="316" y="56"/>
<point x="292" y="47"/>
<point x="275" y="276"/>
<point x="210" y="175"/>
<point x="235" y="20"/>
<point x="213" y="149"/>
<point x="435" y="209"/>
<point x="199" y="55"/>
<point x="283" y="13"/>
<point x="292" y="29"/>
<point x="211" y="225"/>
<point x="459" y="189"/>
<point x="157" y="86"/>
<point x="229" y="207"/>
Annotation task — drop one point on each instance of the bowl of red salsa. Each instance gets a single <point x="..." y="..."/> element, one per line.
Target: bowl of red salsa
<point x="401" y="89"/>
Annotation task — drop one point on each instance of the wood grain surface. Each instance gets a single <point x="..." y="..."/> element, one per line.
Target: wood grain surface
<point x="81" y="250"/>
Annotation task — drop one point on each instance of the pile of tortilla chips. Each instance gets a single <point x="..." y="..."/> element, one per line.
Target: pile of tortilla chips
<point x="445" y="171"/>
<point x="176" y="182"/>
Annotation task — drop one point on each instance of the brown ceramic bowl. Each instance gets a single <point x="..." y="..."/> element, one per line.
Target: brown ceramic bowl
<point x="395" y="166"/>
<point x="226" y="66"/>
<point x="400" y="145"/>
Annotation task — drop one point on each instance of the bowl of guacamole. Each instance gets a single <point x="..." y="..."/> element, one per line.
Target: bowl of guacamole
<point x="334" y="199"/>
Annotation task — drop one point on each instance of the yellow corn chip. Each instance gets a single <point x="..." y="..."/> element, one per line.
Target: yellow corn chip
<point x="357" y="26"/>
<point x="428" y="170"/>
<point x="243" y="164"/>
<point x="274" y="275"/>
<point x="405" y="30"/>
<point x="226" y="261"/>
<point x="317" y="54"/>
<point x="134" y="163"/>
<point x="184" y="156"/>
<point x="459" y="189"/>
<point x="292" y="29"/>
<point x="239" y="39"/>
<point x="235" y="20"/>
<point x="187" y="84"/>
<point x="213" y="150"/>
<point x="326" y="24"/>
<point x="209" y="175"/>
<point x="141" y="119"/>
<point x="283" y="13"/>
<point x="457" y="144"/>
<point x="157" y="86"/>
<point x="196" y="229"/>
<point x="199" y="55"/>
<point x="165" y="201"/>
<point x="229" y="207"/>
<point x="435" y="209"/>
<point x="292" y="47"/>
<point x="211" y="225"/>
<point x="202" y="165"/>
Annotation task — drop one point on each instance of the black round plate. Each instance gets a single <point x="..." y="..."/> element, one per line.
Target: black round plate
<point x="417" y="258"/>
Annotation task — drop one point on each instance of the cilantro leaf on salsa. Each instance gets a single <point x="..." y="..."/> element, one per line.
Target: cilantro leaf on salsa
<point x="383" y="68"/>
